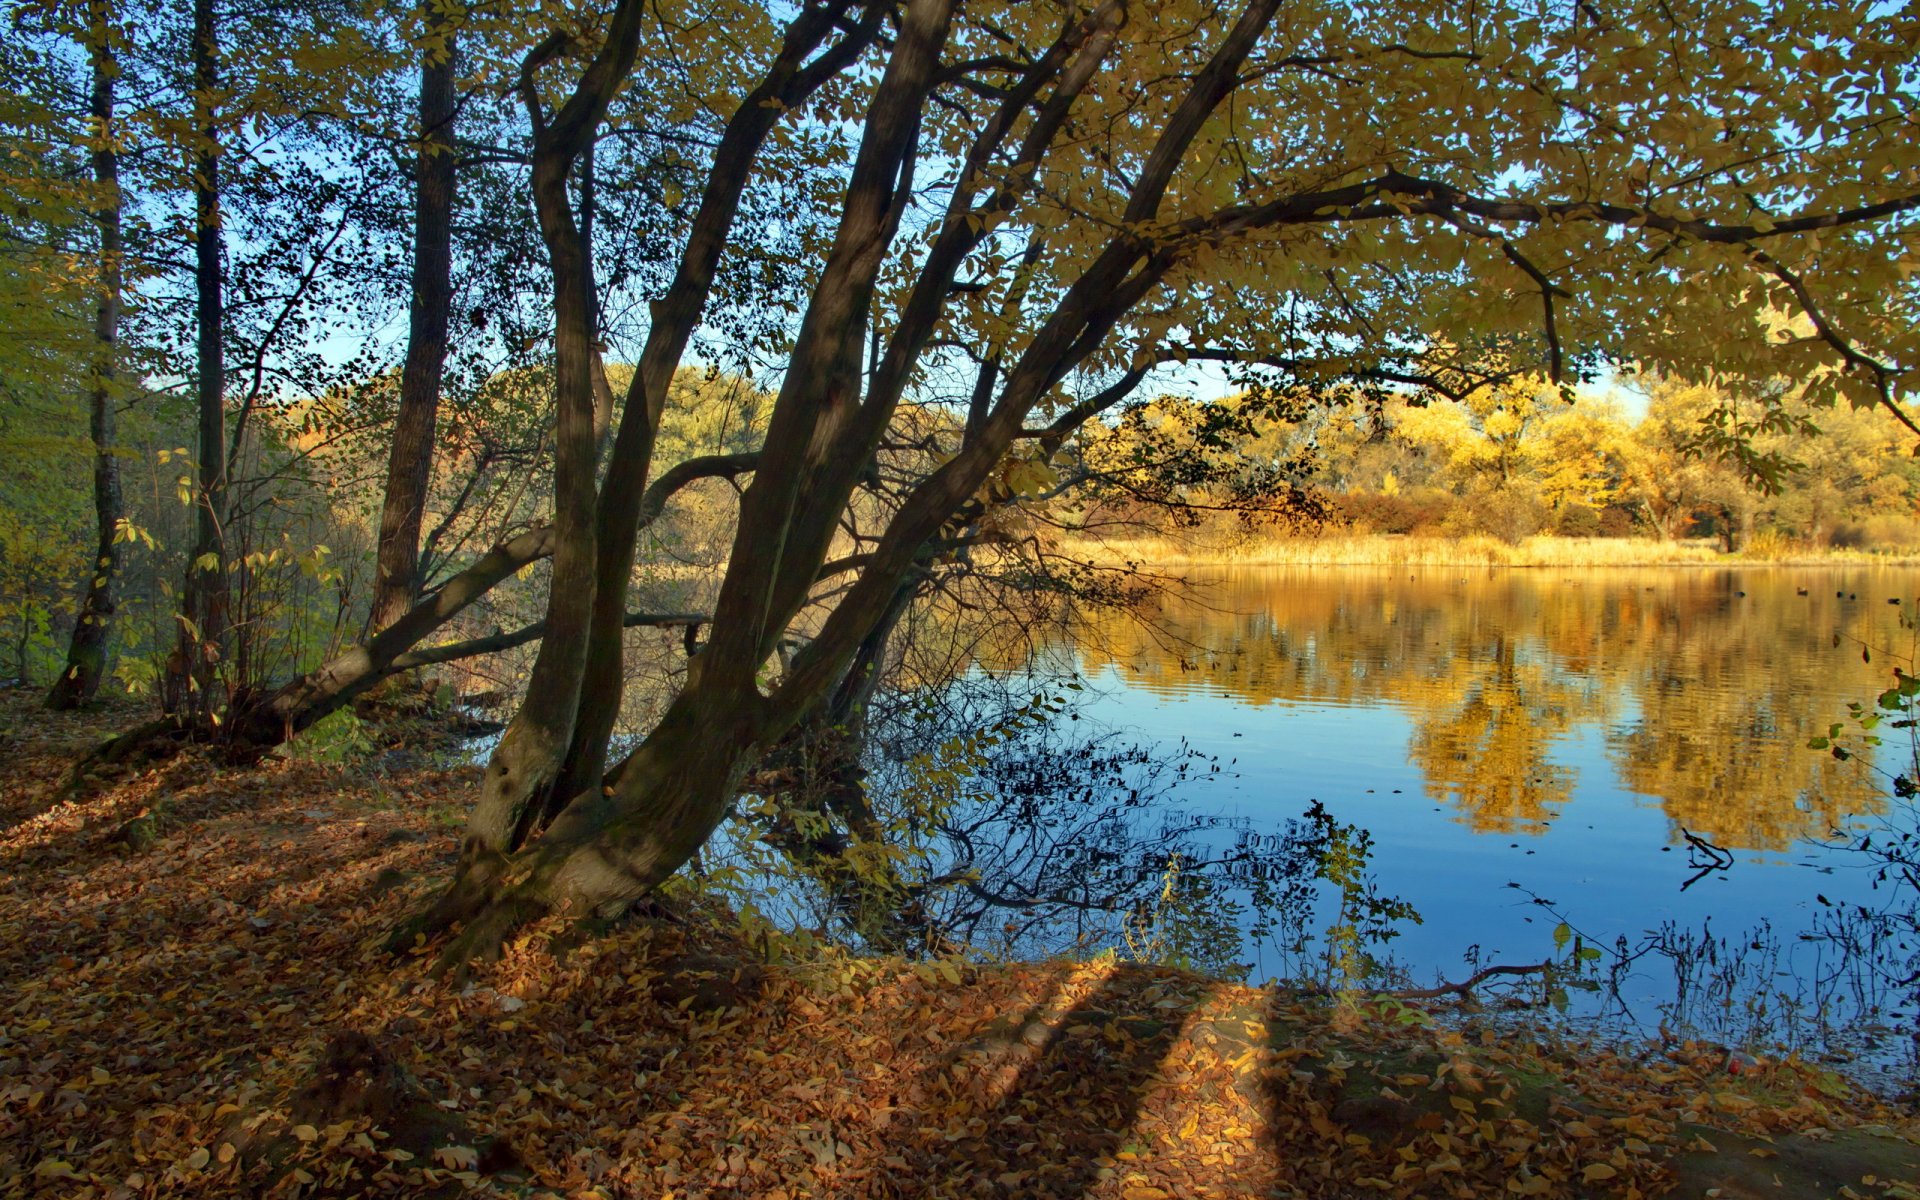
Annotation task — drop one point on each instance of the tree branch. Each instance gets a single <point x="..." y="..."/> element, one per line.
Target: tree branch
<point x="496" y="642"/>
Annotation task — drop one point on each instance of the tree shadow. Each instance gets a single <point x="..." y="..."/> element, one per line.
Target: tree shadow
<point x="1045" y="1104"/>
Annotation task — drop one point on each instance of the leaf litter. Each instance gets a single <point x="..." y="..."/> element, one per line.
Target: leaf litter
<point x="206" y="1010"/>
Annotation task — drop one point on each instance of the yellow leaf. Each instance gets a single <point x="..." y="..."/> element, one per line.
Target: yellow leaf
<point x="305" y="1133"/>
<point x="198" y="1159"/>
<point x="1595" y="1172"/>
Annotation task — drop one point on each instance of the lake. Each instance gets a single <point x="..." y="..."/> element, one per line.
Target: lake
<point x="1559" y="730"/>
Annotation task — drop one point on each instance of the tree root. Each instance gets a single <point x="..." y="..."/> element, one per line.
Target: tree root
<point x="241" y="739"/>
<point x="154" y="741"/>
<point x="484" y="907"/>
<point x="482" y="939"/>
<point x="474" y="887"/>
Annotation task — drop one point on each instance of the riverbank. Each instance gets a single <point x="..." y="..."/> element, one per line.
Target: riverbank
<point x="1391" y="550"/>
<point x="204" y="1011"/>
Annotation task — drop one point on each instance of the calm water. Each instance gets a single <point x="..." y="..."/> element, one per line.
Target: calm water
<point x="1553" y="729"/>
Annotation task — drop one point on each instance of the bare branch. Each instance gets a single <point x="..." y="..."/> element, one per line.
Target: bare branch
<point x="496" y="642"/>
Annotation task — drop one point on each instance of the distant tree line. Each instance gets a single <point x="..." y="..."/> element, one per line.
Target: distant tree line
<point x="1521" y="459"/>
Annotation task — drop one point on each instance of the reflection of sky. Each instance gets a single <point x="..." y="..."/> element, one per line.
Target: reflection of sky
<point x="1611" y="860"/>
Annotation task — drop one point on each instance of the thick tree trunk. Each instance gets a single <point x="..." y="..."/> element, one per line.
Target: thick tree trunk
<point x="601" y="854"/>
<point x="87" y="653"/>
<point x="410" y="462"/>
<point x="192" y="687"/>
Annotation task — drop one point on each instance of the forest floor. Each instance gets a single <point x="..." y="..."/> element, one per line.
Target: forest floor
<point x="194" y="1003"/>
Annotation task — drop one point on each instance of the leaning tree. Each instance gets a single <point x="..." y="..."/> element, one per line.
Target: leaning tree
<point x="1050" y="201"/>
<point x="1045" y="193"/>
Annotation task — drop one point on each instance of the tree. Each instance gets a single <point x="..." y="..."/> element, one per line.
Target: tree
<point x="193" y="678"/>
<point x="1023" y="210"/>
<point x="1156" y="213"/>
<point x="410" y="462"/>
<point x="87" y="650"/>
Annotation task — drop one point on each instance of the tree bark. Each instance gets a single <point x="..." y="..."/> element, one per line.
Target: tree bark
<point x="87" y="653"/>
<point x="410" y="461"/>
<point x="533" y="749"/>
<point x="789" y="80"/>
<point x="192" y="688"/>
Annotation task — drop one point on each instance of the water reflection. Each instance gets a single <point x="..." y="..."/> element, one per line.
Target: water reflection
<point x="1703" y="685"/>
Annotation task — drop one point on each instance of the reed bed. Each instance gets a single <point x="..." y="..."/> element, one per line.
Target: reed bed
<point x="1390" y="550"/>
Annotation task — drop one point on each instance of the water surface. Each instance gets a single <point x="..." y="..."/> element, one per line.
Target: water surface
<point x="1560" y="730"/>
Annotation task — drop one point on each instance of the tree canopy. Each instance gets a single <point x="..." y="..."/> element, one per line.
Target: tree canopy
<point x="946" y="238"/>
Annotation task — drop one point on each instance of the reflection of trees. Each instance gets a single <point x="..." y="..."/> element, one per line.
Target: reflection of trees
<point x="1709" y="682"/>
<point x="1482" y="733"/>
<point x="1727" y="688"/>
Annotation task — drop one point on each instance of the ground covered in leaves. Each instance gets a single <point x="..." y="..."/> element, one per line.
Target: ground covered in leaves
<point x="194" y="1002"/>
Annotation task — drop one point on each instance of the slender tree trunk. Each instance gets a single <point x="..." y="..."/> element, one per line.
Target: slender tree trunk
<point x="619" y="519"/>
<point x="410" y="462"/>
<point x="533" y="749"/>
<point x="193" y="686"/>
<point x="87" y="653"/>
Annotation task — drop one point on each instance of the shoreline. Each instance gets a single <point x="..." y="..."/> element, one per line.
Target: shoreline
<point x="1400" y="550"/>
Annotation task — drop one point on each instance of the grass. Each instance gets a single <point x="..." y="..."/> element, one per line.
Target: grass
<point x="1474" y="551"/>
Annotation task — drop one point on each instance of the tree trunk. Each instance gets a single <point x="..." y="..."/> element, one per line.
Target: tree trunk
<point x="605" y="850"/>
<point x="600" y="855"/>
<point x="193" y="684"/>
<point x="788" y="81"/>
<point x="531" y="753"/>
<point x="87" y="653"/>
<point x="410" y="463"/>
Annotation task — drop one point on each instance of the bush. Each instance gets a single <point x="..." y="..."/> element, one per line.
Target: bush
<point x="1576" y="520"/>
